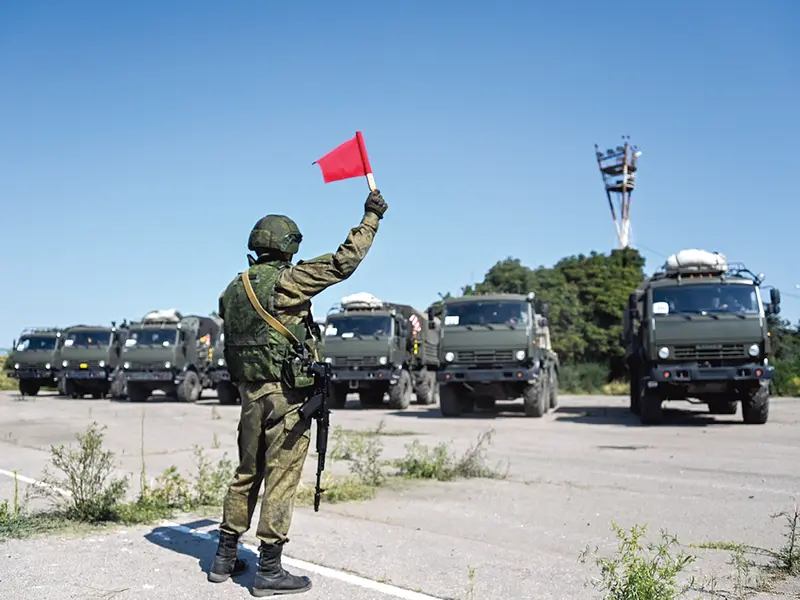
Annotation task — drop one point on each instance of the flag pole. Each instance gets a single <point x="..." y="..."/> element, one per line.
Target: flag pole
<point x="365" y="162"/>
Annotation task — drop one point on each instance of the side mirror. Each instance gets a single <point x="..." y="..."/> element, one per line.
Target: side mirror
<point x="431" y="314"/>
<point x="775" y="297"/>
<point x="14" y="345"/>
<point x="545" y="309"/>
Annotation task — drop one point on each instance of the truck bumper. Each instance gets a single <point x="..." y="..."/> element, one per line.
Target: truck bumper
<point x="693" y="373"/>
<point x="457" y="375"/>
<point x="355" y="377"/>
<point x="150" y="376"/>
<point x="33" y="373"/>
<point x="93" y="374"/>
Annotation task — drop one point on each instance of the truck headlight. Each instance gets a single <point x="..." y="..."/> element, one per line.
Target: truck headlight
<point x="126" y="365"/>
<point x="449" y="357"/>
<point x="753" y="350"/>
<point x="383" y="360"/>
<point x="101" y="364"/>
<point x="167" y="365"/>
<point x="520" y="355"/>
<point x="64" y="363"/>
<point x="328" y="360"/>
<point x="221" y="362"/>
<point x="16" y="365"/>
<point x="663" y="352"/>
<point x="47" y="366"/>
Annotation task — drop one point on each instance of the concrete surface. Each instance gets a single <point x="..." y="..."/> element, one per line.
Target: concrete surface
<point x="571" y="473"/>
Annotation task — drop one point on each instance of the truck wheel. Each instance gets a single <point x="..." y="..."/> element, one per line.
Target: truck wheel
<point x="755" y="406"/>
<point x="535" y="400"/>
<point x="650" y="411"/>
<point x="554" y="390"/>
<point x="449" y="402"/>
<point x="227" y="393"/>
<point x="426" y="387"/>
<point x="340" y="396"/>
<point x="400" y="392"/>
<point x="137" y="392"/>
<point x="635" y="393"/>
<point x="723" y="407"/>
<point x="189" y="389"/>
<point x="28" y="388"/>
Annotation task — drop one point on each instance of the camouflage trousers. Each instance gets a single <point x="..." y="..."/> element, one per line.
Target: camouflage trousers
<point x="273" y="445"/>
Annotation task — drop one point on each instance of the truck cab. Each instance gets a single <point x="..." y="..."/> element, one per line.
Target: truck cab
<point x="496" y="347"/>
<point x="90" y="360"/>
<point x="35" y="359"/>
<point x="697" y="329"/>
<point x="376" y="347"/>
<point x="167" y="352"/>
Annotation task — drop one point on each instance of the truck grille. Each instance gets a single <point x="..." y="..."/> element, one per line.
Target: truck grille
<point x="709" y="351"/>
<point x="480" y="357"/>
<point x="355" y="361"/>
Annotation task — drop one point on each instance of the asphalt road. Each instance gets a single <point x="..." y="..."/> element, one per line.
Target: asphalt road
<point x="571" y="473"/>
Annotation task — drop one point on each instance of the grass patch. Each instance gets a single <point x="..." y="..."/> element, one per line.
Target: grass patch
<point x="6" y="383"/>
<point x="82" y="489"/>
<point x="369" y="472"/>
<point x="639" y="570"/>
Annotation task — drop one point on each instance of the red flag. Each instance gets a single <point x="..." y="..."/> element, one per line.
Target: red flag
<point x="346" y="161"/>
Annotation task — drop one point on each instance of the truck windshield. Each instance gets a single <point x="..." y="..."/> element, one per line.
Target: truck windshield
<point x="152" y="337"/>
<point x="352" y="325"/>
<point x="36" y="343"/>
<point x="707" y="297"/>
<point x="86" y="339"/>
<point x="490" y="312"/>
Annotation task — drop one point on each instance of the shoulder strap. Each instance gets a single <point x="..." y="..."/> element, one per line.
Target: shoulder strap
<point x="251" y="295"/>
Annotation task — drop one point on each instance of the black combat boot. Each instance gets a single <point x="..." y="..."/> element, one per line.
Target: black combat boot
<point x="271" y="579"/>
<point x="226" y="562"/>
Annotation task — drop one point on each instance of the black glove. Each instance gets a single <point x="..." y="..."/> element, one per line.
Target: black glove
<point x="376" y="204"/>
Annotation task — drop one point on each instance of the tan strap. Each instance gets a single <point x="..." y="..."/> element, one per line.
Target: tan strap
<point x="251" y="295"/>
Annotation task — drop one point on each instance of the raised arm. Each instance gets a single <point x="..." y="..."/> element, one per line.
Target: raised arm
<point x="306" y="279"/>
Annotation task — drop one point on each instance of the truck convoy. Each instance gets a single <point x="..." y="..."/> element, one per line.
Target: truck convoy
<point x="91" y="360"/>
<point x="169" y="352"/>
<point x="698" y="329"/>
<point x="376" y="347"/>
<point x="35" y="359"/>
<point x="496" y="347"/>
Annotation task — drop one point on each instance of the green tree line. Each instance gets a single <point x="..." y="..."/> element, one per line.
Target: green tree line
<point x="587" y="295"/>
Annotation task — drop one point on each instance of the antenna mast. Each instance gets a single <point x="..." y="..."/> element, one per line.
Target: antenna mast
<point x="618" y="169"/>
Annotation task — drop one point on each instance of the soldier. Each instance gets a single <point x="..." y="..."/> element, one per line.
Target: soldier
<point x="273" y="440"/>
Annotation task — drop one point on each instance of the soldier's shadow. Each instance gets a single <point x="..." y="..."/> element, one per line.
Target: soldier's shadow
<point x="203" y="547"/>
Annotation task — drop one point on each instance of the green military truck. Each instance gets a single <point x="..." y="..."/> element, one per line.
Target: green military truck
<point x="220" y="378"/>
<point x="169" y="352"/>
<point x="377" y="347"/>
<point x="35" y="359"/>
<point x="496" y="347"/>
<point x="697" y="329"/>
<point x="91" y="360"/>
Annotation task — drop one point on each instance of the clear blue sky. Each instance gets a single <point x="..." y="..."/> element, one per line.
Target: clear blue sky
<point x="140" y="141"/>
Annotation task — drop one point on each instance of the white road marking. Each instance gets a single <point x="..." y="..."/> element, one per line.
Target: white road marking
<point x="383" y="588"/>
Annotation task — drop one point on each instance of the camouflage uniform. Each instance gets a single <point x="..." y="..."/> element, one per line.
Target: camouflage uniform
<point x="273" y="440"/>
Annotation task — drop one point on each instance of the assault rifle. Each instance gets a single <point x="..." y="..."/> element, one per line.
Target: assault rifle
<point x="317" y="407"/>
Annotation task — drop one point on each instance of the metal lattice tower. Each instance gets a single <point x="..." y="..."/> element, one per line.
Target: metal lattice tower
<point x="618" y="168"/>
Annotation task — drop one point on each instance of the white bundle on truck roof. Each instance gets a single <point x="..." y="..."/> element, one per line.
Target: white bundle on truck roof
<point x="693" y="259"/>
<point x="170" y="315"/>
<point x="362" y="299"/>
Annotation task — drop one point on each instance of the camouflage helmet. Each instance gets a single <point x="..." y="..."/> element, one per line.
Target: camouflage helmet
<point x="275" y="232"/>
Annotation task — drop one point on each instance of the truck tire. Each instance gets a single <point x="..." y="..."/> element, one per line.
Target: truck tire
<point x="635" y="393"/>
<point x="400" y="392"/>
<point x="450" y="404"/>
<point x="650" y="411"/>
<point x="554" y="390"/>
<point x="755" y="406"/>
<point x="426" y="387"/>
<point x="137" y="392"/>
<point x="227" y="393"/>
<point x="29" y="388"/>
<point x="723" y="407"/>
<point x="340" y="395"/>
<point x="535" y="399"/>
<point x="189" y="389"/>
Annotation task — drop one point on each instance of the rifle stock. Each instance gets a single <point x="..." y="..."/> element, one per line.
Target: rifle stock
<point x="317" y="407"/>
